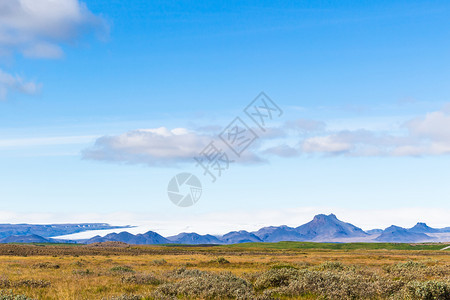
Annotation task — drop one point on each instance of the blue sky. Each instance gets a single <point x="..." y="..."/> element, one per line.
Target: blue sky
<point x="363" y="86"/>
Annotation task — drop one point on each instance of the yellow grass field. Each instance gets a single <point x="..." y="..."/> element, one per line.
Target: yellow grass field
<point x="118" y="271"/>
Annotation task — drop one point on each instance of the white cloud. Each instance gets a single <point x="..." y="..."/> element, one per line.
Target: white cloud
<point x="37" y="27"/>
<point x="353" y="142"/>
<point x="16" y="83"/>
<point x="428" y="135"/>
<point x="434" y="126"/>
<point x="328" y="144"/>
<point x="164" y="147"/>
<point x="43" y="50"/>
<point x="283" y="150"/>
<point x="159" y="146"/>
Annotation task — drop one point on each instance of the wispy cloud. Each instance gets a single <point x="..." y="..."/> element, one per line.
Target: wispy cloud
<point x="282" y="150"/>
<point x="305" y="125"/>
<point x="45" y="141"/>
<point x="15" y="83"/>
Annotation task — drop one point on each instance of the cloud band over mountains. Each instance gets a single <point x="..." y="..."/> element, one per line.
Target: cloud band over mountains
<point x="421" y="136"/>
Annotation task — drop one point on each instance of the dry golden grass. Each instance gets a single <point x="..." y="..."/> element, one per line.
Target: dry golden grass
<point x="82" y="272"/>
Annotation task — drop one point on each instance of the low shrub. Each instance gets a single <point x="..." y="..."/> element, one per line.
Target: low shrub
<point x="126" y="297"/>
<point x="78" y="263"/>
<point x="426" y="290"/>
<point x="122" y="269"/>
<point x="281" y="266"/>
<point x="159" y="262"/>
<point x="404" y="267"/>
<point x="142" y="279"/>
<point x="8" y="295"/>
<point x="220" y="260"/>
<point x="331" y="266"/>
<point x="82" y="272"/>
<point x="276" y="278"/>
<point x="182" y="273"/>
<point x="326" y="284"/>
<point x="205" y="285"/>
<point x="46" y="265"/>
<point x="31" y="283"/>
<point x="411" y="270"/>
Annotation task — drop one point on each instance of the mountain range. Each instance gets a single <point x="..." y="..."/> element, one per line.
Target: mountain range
<point x="323" y="228"/>
<point x="51" y="230"/>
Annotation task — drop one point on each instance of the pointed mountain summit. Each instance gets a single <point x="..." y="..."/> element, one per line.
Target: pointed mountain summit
<point x="151" y="237"/>
<point x="194" y="239"/>
<point x="423" y="228"/>
<point x="148" y="238"/>
<point x="273" y="234"/>
<point x="327" y="227"/>
<point x="396" y="234"/>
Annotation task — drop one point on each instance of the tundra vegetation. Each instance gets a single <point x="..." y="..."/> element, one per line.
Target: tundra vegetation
<point x="245" y="271"/>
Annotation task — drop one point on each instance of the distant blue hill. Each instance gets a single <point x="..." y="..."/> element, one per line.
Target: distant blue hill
<point x="237" y="237"/>
<point x="395" y="234"/>
<point x="32" y="238"/>
<point x="51" y="230"/>
<point x="274" y="234"/>
<point x="423" y="228"/>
